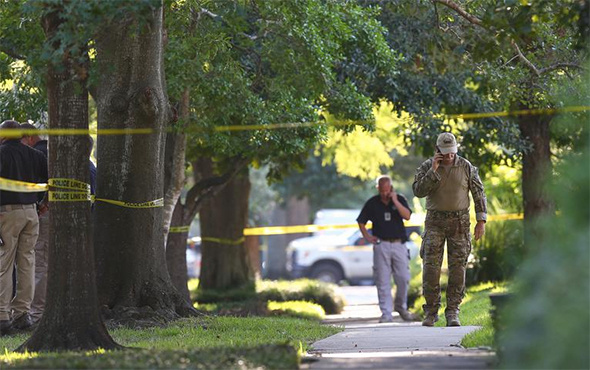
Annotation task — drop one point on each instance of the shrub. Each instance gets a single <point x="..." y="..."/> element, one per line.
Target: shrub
<point x="324" y="294"/>
<point x="302" y="309"/>
<point x="498" y="255"/>
<point x="547" y="324"/>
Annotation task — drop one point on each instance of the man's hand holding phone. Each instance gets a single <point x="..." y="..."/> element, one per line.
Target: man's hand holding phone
<point x="438" y="157"/>
<point x="393" y="194"/>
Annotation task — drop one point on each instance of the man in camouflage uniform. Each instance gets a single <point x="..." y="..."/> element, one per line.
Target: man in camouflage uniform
<point x="446" y="180"/>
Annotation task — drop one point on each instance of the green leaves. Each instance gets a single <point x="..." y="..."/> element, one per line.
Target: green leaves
<point x="272" y="62"/>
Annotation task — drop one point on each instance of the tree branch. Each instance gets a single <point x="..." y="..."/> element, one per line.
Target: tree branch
<point x="563" y="66"/>
<point x="524" y="59"/>
<point x="478" y="22"/>
<point x="214" y="16"/>
<point x="8" y="49"/>
<point x="457" y="8"/>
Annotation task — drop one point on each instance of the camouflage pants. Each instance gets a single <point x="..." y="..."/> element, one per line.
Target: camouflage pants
<point x="452" y="227"/>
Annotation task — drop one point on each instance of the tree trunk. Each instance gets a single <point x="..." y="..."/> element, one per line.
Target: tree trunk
<point x="176" y="254"/>
<point x="536" y="172"/>
<point x="71" y="320"/>
<point x="129" y="246"/>
<point x="207" y="184"/>
<point x="223" y="218"/>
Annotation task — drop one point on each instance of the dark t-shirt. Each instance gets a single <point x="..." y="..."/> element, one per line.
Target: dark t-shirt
<point x="19" y="162"/>
<point x="387" y="222"/>
<point x="42" y="147"/>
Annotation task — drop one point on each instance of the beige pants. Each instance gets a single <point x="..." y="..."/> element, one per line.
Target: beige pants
<point x="19" y="227"/>
<point x="41" y="257"/>
<point x="391" y="259"/>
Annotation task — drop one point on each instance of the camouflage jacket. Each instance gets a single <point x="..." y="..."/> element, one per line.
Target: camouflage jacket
<point x="448" y="188"/>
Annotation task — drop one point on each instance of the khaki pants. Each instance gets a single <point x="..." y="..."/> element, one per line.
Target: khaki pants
<point x="41" y="257"/>
<point x="19" y="227"/>
<point x="391" y="259"/>
<point x="452" y="227"/>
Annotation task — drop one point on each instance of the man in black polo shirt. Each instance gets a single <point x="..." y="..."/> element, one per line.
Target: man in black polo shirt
<point x="19" y="228"/>
<point x="387" y="211"/>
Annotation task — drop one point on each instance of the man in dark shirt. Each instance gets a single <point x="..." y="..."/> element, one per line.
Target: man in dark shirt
<point x="387" y="211"/>
<point x="19" y="228"/>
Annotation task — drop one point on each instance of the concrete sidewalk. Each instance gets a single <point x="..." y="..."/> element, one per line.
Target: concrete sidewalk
<point x="366" y="344"/>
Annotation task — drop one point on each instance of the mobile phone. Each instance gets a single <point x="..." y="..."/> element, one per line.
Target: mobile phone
<point x="437" y="149"/>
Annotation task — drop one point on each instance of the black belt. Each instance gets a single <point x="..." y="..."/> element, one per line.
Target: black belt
<point x="391" y="240"/>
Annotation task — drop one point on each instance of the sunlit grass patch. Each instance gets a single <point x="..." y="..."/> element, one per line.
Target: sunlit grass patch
<point x="205" y="342"/>
<point x="12" y="357"/>
<point x="298" y="309"/>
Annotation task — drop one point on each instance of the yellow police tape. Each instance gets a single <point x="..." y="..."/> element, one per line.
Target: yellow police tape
<point x="223" y="241"/>
<point x="179" y="229"/>
<point x="62" y="196"/>
<point x="69" y="184"/>
<point x="419" y="221"/>
<point x="151" y="204"/>
<point x="524" y="112"/>
<point x="76" y="132"/>
<point x="69" y="196"/>
<point x="21" y="186"/>
<point x="296" y="229"/>
<point x="133" y="131"/>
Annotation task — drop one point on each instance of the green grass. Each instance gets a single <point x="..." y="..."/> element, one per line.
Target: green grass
<point x="475" y="310"/>
<point x="209" y="342"/>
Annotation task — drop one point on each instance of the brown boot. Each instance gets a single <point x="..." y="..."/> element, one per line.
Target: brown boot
<point x="453" y="320"/>
<point x="430" y="320"/>
<point x="5" y="327"/>
<point x="407" y="315"/>
<point x="23" y="322"/>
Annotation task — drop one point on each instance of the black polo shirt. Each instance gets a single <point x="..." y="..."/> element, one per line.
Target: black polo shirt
<point x="387" y="222"/>
<point x="20" y="162"/>
<point x="42" y="147"/>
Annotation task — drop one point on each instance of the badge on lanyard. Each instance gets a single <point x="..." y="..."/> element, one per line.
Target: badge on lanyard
<point x="387" y="216"/>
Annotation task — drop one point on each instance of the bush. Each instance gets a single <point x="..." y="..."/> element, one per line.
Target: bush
<point x="324" y="294"/>
<point x="301" y="309"/>
<point x="498" y="255"/>
<point x="500" y="252"/>
<point x="244" y="293"/>
<point x="547" y="324"/>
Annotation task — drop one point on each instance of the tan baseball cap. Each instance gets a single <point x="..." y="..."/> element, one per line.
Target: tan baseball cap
<point x="447" y="143"/>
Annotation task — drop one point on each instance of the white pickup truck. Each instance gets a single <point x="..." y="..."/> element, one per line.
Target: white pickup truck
<point x="335" y="257"/>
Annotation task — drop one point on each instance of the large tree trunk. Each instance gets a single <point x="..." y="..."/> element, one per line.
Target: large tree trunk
<point x="536" y="172"/>
<point x="131" y="260"/>
<point x="223" y="218"/>
<point x="71" y="320"/>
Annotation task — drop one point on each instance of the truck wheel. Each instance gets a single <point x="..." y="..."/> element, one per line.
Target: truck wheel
<point x="327" y="272"/>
